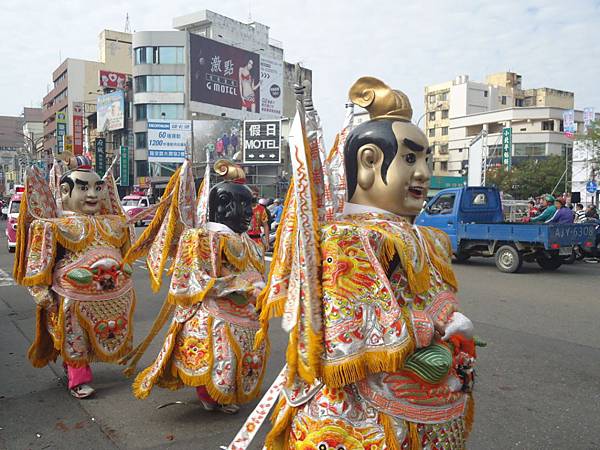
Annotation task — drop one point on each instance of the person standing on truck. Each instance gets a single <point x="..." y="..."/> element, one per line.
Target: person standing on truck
<point x="562" y="214"/>
<point x="549" y="212"/>
<point x="579" y="213"/>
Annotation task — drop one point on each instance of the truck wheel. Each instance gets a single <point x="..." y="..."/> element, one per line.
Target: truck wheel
<point x="508" y="259"/>
<point x="549" y="262"/>
<point x="462" y="257"/>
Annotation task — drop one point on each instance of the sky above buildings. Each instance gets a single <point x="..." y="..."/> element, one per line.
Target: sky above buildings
<point x="406" y="44"/>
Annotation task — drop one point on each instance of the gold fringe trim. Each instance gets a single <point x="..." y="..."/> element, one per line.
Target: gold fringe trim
<point x="414" y="440"/>
<point x="42" y="350"/>
<point x="140" y="247"/>
<point x="78" y="245"/>
<point x="264" y="295"/>
<point x="111" y="239"/>
<point x="191" y="299"/>
<point x="389" y="429"/>
<point x="99" y="353"/>
<point x="138" y="391"/>
<point x="469" y="415"/>
<point x="313" y="349"/>
<point x="291" y="356"/>
<point x="44" y="277"/>
<point x="239" y="262"/>
<point x="278" y="437"/>
<point x="444" y="268"/>
<point x="156" y="278"/>
<point x="360" y="366"/>
<point x="139" y="351"/>
<point x="274" y="309"/>
<point x="20" y="264"/>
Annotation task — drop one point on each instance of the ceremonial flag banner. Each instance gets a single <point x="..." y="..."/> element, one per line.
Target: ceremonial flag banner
<point x="78" y="128"/>
<point x="124" y="165"/>
<point x="507" y="148"/>
<point x="262" y="141"/>
<point x="569" y="126"/>
<point x="61" y="131"/>
<point x="101" y="156"/>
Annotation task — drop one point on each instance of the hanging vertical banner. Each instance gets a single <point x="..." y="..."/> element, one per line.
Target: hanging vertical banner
<point x="61" y="131"/>
<point x="101" y="156"/>
<point x="124" y="164"/>
<point x="271" y="78"/>
<point x="68" y="143"/>
<point x="569" y="126"/>
<point x="507" y="147"/>
<point x="77" y="128"/>
<point x="588" y="117"/>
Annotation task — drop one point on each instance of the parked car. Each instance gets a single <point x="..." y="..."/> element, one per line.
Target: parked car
<point x="473" y="219"/>
<point x="134" y="204"/>
<point x="13" y="217"/>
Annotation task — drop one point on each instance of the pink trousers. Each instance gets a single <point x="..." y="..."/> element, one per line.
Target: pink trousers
<point x="203" y="394"/>
<point x="79" y="375"/>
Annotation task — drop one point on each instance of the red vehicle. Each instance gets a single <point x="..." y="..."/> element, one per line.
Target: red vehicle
<point x="134" y="204"/>
<point x="13" y="216"/>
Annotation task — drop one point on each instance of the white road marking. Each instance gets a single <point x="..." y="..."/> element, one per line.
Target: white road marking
<point x="268" y="258"/>
<point x="6" y="279"/>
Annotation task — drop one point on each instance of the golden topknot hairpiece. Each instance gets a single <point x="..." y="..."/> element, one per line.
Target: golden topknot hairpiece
<point x="380" y="100"/>
<point x="230" y="171"/>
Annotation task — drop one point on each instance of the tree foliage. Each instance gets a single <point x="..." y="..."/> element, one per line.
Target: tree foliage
<point x="530" y="178"/>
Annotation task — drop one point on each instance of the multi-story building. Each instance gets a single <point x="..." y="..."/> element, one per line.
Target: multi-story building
<point x="11" y="145"/>
<point x="537" y="132"/>
<point x="33" y="131"/>
<point x="165" y="77"/>
<point x="76" y="82"/>
<point x="462" y="103"/>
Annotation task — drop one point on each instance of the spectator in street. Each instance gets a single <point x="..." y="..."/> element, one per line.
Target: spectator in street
<point x="226" y="142"/>
<point x="579" y="213"/>
<point x="562" y="214"/>
<point x="548" y="212"/>
<point x="277" y="211"/>
<point x="592" y="212"/>
<point x="533" y="209"/>
<point x="219" y="148"/>
<point x="259" y="226"/>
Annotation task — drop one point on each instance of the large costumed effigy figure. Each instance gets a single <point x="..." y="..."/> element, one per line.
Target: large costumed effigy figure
<point x="379" y="356"/>
<point x="72" y="235"/>
<point x="216" y="275"/>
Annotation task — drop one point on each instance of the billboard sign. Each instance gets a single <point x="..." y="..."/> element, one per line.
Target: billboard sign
<point x="218" y="139"/>
<point x="569" y="126"/>
<point x="61" y="131"/>
<point x="271" y="86"/>
<point x="262" y="141"/>
<point x="124" y="166"/>
<point x="169" y="140"/>
<point x="100" y="156"/>
<point x="223" y="75"/>
<point x="588" y="117"/>
<point x="77" y="128"/>
<point x="111" y="111"/>
<point x="507" y="148"/>
<point x="115" y="80"/>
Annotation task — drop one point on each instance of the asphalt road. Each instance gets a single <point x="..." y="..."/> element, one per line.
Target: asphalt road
<point x="538" y="384"/>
